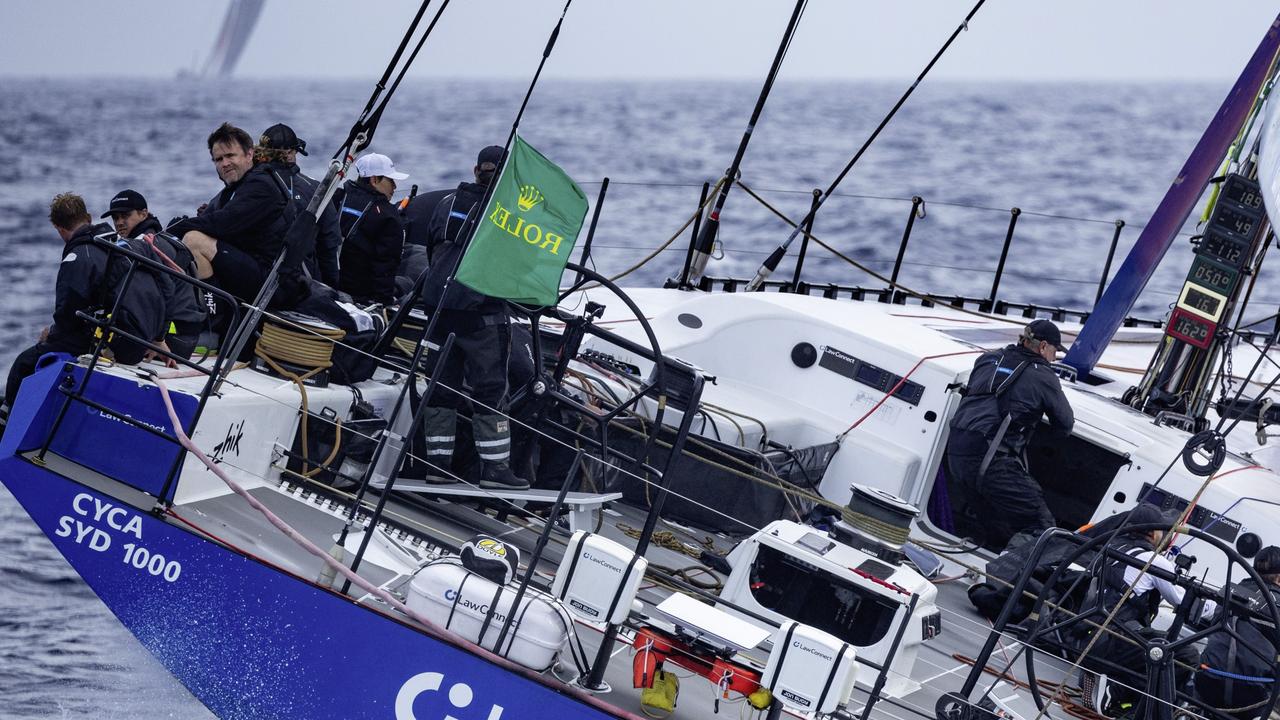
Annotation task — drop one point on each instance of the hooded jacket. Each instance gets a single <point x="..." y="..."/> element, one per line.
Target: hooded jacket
<point x="87" y="281"/>
<point x="373" y="238"/>
<point x="248" y="213"/>
<point x="1030" y="393"/>
<point x="322" y="259"/>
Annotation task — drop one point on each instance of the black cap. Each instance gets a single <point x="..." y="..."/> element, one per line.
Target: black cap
<point x="1147" y="514"/>
<point x="492" y="154"/>
<point x="282" y="137"/>
<point x="1267" y="561"/>
<point x="1045" y="330"/>
<point x="124" y="201"/>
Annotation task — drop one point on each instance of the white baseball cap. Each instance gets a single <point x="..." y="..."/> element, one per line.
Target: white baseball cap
<point x="378" y="164"/>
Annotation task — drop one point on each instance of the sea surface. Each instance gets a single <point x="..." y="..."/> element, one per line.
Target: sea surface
<point x="1074" y="158"/>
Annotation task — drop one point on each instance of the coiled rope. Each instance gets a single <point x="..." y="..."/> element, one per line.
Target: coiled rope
<point x="311" y="351"/>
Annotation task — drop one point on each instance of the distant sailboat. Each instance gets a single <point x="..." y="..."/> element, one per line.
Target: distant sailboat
<point x="237" y="27"/>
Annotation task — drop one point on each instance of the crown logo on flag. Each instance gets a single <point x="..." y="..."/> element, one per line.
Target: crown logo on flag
<point x="529" y="196"/>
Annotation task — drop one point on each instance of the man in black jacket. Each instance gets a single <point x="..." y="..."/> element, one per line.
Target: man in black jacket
<point x="1008" y="392"/>
<point x="322" y="260"/>
<point x="1238" y="671"/>
<point x="237" y="238"/>
<point x="133" y="221"/>
<point x="86" y="282"/>
<point x="130" y="216"/>
<point x="372" y="232"/>
<point x="482" y="340"/>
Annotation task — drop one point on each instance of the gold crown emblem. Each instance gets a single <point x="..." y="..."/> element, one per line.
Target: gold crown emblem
<point x="529" y="196"/>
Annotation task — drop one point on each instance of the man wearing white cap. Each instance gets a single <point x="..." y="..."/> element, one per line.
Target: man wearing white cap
<point x="372" y="232"/>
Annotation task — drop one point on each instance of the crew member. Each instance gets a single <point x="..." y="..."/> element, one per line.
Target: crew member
<point x="1122" y="653"/>
<point x="84" y="284"/>
<point x="372" y="232"/>
<point x="1237" y="672"/>
<point x="1008" y="392"/>
<point x="238" y="236"/>
<point x="481" y="343"/>
<point x="322" y="259"/>
<point x="130" y="216"/>
<point x="128" y="212"/>
<point x="417" y="225"/>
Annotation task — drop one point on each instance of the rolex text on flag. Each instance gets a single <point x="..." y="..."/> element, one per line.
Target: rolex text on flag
<point x="525" y="235"/>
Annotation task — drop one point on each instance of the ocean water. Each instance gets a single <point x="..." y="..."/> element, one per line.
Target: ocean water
<point x="1074" y="158"/>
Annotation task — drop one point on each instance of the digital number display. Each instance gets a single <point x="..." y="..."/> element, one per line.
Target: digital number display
<point x="1228" y="218"/>
<point x="1210" y="274"/>
<point x="1243" y="191"/>
<point x="1191" y="329"/>
<point x="1202" y="301"/>
<point x="1223" y="247"/>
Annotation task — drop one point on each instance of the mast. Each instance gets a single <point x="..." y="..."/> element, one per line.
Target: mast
<point x="1178" y="202"/>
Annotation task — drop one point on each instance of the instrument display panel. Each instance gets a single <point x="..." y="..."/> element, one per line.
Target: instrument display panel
<point x="1191" y="328"/>
<point x="1202" y="301"/>
<point x="1212" y="275"/>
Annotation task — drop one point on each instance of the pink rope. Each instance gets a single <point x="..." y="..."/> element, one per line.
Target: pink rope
<point x="433" y="629"/>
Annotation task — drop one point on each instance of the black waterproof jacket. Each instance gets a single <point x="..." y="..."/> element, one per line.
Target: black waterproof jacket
<point x="446" y="235"/>
<point x="321" y="260"/>
<point x="150" y="225"/>
<point x="1034" y="392"/>
<point x="1251" y="655"/>
<point x="87" y="281"/>
<point x="417" y="216"/>
<point x="184" y="303"/>
<point x="249" y="214"/>
<point x="373" y="238"/>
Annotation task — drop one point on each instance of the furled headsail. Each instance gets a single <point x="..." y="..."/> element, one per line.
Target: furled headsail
<point x="237" y="28"/>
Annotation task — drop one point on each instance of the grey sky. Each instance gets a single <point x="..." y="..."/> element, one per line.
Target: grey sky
<point x="856" y="39"/>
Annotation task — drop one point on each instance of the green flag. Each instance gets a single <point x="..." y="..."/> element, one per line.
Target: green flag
<point x="527" y="231"/>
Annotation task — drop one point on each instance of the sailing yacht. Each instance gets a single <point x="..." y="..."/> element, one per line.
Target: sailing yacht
<point x="746" y="486"/>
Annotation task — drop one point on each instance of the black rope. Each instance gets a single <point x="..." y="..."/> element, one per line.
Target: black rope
<point x="808" y="218"/>
<point x="386" y="74"/>
<point x="376" y="117"/>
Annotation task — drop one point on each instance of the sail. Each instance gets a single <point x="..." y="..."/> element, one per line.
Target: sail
<point x="1173" y="211"/>
<point x="1269" y="161"/>
<point x="237" y="27"/>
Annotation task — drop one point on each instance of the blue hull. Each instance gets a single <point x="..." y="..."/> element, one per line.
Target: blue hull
<point x="250" y="641"/>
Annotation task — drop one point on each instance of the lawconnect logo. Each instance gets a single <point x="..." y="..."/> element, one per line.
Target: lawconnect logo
<point x="460" y="696"/>
<point x="529" y="196"/>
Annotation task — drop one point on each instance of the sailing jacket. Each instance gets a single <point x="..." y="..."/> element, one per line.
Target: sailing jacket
<point x="87" y="282"/>
<point x="1253" y="653"/>
<point x="446" y="235"/>
<point x="248" y="213"/>
<point x="417" y="216"/>
<point x="185" y="301"/>
<point x="372" y="240"/>
<point x="322" y="259"/>
<point x="998" y="388"/>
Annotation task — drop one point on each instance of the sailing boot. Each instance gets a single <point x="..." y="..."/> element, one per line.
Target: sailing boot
<point x="493" y="444"/>
<point x="439" y="428"/>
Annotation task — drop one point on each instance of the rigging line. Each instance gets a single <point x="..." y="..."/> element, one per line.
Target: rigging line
<point x="772" y="263"/>
<point x="707" y="234"/>
<point x="663" y="246"/>
<point x="381" y="84"/>
<point x="377" y="115"/>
